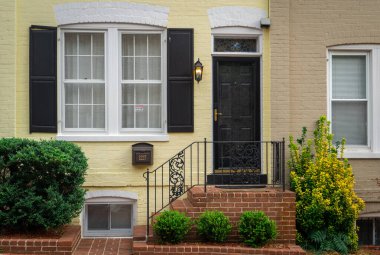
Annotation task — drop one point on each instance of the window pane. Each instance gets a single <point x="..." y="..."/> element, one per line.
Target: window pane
<point x="141" y="60"/>
<point x="154" y="45"/>
<point x="141" y="68"/>
<point x="365" y="233"/>
<point x="349" y="120"/>
<point x="84" y="68"/>
<point x="71" y="67"/>
<point x="97" y="44"/>
<point x="154" y="116"/>
<point x="155" y="93"/>
<point x="85" y="93"/>
<point x="98" y="93"/>
<point x="85" y="116"/>
<point x="128" y="71"/>
<point x="98" y="68"/>
<point x="121" y="216"/>
<point x="141" y="45"/>
<point x="71" y="116"/>
<point x="128" y="116"/>
<point x="97" y="217"/>
<point x="71" y="93"/>
<point x="349" y="77"/>
<point x="234" y="45"/>
<point x="71" y="44"/>
<point x="377" y="231"/>
<point x="141" y="93"/>
<point x="154" y="68"/>
<point x="85" y="44"/>
<point x="99" y="116"/>
<point x="128" y="93"/>
<point x="127" y="45"/>
<point x="141" y="116"/>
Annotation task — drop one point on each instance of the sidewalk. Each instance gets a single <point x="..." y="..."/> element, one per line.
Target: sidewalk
<point x="104" y="246"/>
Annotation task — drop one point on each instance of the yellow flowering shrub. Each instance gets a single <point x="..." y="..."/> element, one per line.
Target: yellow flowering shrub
<point x="326" y="206"/>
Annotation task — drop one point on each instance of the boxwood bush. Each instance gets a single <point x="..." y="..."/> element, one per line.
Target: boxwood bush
<point x="171" y="226"/>
<point x="256" y="229"/>
<point x="213" y="226"/>
<point x="40" y="184"/>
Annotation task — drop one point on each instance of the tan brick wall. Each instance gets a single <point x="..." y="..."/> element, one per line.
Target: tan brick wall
<point x="301" y="32"/>
<point x="7" y="68"/>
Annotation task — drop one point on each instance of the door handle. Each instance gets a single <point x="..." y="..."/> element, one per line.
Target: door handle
<point x="216" y="114"/>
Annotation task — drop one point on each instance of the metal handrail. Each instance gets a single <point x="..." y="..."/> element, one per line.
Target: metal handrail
<point x="270" y="160"/>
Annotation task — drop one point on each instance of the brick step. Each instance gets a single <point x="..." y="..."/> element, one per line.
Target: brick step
<point x="278" y="205"/>
<point x="139" y="233"/>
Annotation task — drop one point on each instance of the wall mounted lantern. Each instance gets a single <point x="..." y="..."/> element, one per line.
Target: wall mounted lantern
<point x="198" y="70"/>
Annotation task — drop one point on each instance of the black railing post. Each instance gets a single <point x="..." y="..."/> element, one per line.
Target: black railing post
<point x="205" y="160"/>
<point x="283" y="164"/>
<point x="147" y="204"/>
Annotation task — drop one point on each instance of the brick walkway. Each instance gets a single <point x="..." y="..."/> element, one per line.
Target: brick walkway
<point x="104" y="246"/>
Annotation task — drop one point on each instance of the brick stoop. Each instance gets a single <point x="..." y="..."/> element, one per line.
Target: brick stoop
<point x="64" y="245"/>
<point x="278" y="205"/>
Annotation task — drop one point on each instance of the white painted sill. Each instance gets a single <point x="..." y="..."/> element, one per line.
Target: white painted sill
<point x="115" y="138"/>
<point x="361" y="154"/>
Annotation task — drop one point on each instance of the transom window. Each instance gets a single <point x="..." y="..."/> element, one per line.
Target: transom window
<point x="234" y="45"/>
<point x="112" y="81"/>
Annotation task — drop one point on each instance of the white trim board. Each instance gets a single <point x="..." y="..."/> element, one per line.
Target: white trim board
<point x="372" y="150"/>
<point x="111" y="12"/>
<point x="235" y="16"/>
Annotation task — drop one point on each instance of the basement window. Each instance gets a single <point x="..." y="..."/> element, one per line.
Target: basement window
<point x="108" y="217"/>
<point x="369" y="231"/>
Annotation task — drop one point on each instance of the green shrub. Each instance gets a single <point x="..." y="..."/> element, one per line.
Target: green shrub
<point x="171" y="226"/>
<point x="326" y="241"/>
<point x="40" y="183"/>
<point x="213" y="226"/>
<point x="256" y="229"/>
<point x="324" y="185"/>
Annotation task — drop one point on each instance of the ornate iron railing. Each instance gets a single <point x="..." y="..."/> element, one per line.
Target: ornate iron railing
<point x="228" y="164"/>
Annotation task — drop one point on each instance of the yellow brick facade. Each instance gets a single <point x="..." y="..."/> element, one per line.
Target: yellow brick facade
<point x="8" y="68"/>
<point x="110" y="163"/>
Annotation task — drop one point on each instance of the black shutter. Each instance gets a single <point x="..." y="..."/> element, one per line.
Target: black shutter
<point x="43" y="79"/>
<point x="180" y="80"/>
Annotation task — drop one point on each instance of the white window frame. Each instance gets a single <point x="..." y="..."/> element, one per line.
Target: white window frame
<point x="63" y="81"/>
<point x="111" y="232"/>
<point x="112" y="48"/>
<point x="162" y="82"/>
<point x="372" y="53"/>
<point x="237" y="33"/>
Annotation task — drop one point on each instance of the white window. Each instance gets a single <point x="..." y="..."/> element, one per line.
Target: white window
<point x="84" y="82"/>
<point x="109" y="213"/>
<point x="112" y="83"/>
<point x="141" y="81"/>
<point x="108" y="219"/>
<point x="354" y="86"/>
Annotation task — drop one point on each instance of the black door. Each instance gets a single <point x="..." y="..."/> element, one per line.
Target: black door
<point x="237" y="114"/>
